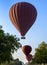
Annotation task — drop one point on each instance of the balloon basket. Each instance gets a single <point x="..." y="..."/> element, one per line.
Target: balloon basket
<point x="22" y="37"/>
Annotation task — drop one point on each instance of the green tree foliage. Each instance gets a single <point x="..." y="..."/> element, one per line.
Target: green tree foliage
<point x="8" y="44"/>
<point x="41" y="53"/>
<point x="15" y="62"/>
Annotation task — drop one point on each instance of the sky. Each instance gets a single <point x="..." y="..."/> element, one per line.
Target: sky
<point x="36" y="34"/>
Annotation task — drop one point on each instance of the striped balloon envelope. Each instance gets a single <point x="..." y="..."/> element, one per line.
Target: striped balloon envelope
<point x="23" y="16"/>
<point x="26" y="49"/>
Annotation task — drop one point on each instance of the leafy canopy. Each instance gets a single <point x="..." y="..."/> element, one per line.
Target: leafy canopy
<point x="8" y="44"/>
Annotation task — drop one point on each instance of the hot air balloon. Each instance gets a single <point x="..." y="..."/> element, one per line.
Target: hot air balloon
<point x="26" y="49"/>
<point x="29" y="57"/>
<point x="23" y="16"/>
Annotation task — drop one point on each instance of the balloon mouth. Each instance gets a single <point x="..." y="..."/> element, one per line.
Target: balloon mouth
<point x="23" y="37"/>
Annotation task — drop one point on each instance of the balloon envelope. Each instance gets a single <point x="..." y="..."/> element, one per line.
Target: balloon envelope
<point x="26" y="49"/>
<point x="22" y="15"/>
<point x="29" y="57"/>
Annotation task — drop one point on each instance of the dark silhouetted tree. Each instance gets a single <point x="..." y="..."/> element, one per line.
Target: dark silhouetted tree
<point x="8" y="44"/>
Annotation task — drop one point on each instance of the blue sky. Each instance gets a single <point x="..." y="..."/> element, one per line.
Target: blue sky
<point x="36" y="34"/>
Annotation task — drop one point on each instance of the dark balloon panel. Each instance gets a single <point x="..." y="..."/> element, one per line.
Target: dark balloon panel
<point x="23" y="16"/>
<point x="29" y="57"/>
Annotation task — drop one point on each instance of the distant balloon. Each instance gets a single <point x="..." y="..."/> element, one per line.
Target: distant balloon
<point x="26" y="49"/>
<point x="23" y="16"/>
<point x="29" y="57"/>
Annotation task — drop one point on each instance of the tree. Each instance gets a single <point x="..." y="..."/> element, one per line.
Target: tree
<point x="16" y="62"/>
<point x="41" y="53"/>
<point x="8" y="44"/>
